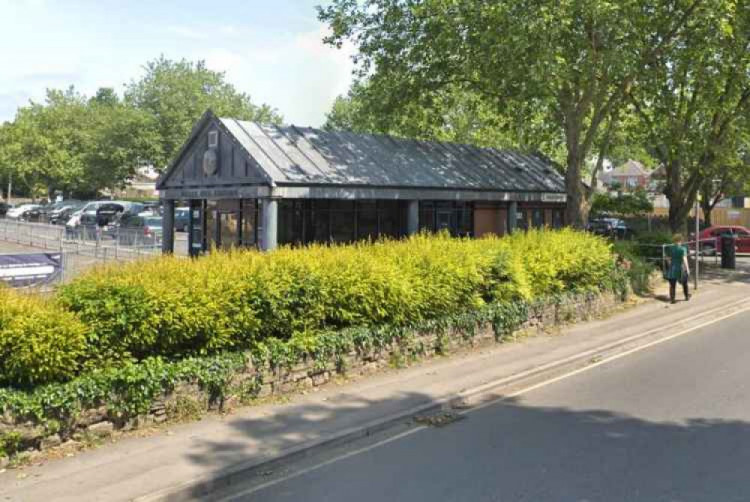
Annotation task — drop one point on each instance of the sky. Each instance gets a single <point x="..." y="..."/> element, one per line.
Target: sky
<point x="270" y="49"/>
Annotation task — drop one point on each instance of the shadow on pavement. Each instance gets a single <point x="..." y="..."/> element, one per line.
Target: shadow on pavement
<point x="511" y="451"/>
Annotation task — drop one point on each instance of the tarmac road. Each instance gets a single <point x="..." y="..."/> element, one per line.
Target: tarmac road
<point x="669" y="423"/>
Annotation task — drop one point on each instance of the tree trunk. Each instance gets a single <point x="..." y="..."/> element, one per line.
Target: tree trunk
<point x="707" y="208"/>
<point x="679" y="211"/>
<point x="577" y="209"/>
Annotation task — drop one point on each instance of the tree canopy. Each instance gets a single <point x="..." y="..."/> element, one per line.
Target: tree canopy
<point x="693" y="105"/>
<point x="573" y="64"/>
<point x="81" y="145"/>
<point x="176" y="93"/>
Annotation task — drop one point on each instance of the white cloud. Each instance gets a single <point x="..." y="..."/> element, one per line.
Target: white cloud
<point x="222" y="59"/>
<point x="295" y="73"/>
<point x="187" y="32"/>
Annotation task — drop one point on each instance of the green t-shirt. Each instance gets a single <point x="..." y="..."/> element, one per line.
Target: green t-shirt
<point x="677" y="254"/>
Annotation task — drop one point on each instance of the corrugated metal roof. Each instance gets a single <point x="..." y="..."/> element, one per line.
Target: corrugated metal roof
<point x="297" y="155"/>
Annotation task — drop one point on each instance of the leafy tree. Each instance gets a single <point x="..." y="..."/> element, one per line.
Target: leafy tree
<point x="693" y="105"/>
<point x="570" y="62"/>
<point x="629" y="204"/>
<point x="451" y="114"/>
<point x="177" y="93"/>
<point x="47" y="142"/>
<point x="123" y="138"/>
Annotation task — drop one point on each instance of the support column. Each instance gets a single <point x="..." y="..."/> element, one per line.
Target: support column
<point x="512" y="217"/>
<point x="412" y="217"/>
<point x="167" y="235"/>
<point x="270" y="216"/>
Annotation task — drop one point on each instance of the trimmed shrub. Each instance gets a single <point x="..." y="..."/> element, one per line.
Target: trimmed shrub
<point x="39" y="342"/>
<point x="648" y="245"/>
<point x="175" y="308"/>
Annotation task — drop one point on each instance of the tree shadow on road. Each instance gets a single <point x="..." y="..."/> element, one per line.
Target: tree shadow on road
<point x="507" y="451"/>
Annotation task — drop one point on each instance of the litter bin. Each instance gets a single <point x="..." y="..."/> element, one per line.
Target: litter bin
<point x="728" y="251"/>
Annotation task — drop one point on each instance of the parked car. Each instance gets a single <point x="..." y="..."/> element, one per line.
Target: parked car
<point x="609" y="227"/>
<point x="710" y="238"/>
<point x="4" y="208"/>
<point x="181" y="219"/>
<point x="42" y="213"/>
<point x="21" y="212"/>
<point x="109" y="215"/>
<point x="142" y="229"/>
<point x="61" y="214"/>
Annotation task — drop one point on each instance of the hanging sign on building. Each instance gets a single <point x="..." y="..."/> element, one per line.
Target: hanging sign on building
<point x="30" y="269"/>
<point x="554" y="197"/>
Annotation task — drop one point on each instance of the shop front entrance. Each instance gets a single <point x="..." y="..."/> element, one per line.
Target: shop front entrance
<point x="222" y="224"/>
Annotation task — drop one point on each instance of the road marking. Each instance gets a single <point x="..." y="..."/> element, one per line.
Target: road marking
<point x="523" y="374"/>
<point x="612" y="358"/>
<point x="525" y="390"/>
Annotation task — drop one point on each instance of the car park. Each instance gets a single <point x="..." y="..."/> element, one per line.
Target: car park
<point x="21" y="212"/>
<point x="61" y="214"/>
<point x="83" y="219"/>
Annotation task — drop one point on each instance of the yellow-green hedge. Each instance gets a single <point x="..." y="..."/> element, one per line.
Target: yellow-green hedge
<point x="39" y="341"/>
<point x="174" y="307"/>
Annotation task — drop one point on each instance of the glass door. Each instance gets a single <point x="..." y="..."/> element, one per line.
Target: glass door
<point x="227" y="215"/>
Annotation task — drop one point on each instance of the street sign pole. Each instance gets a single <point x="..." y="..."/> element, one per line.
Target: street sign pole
<point x="697" y="242"/>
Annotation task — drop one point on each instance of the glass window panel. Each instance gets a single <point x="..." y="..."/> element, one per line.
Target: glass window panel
<point x="522" y="219"/>
<point x="286" y="222"/>
<point x="342" y="226"/>
<point x="557" y="218"/>
<point x="232" y="205"/>
<point x="212" y="227"/>
<point x="342" y="205"/>
<point x="537" y="218"/>
<point x="321" y="204"/>
<point x="320" y="227"/>
<point x="465" y="220"/>
<point x="249" y="217"/>
<point x="427" y="220"/>
<point x="444" y="220"/>
<point x="367" y="220"/>
<point x="389" y="218"/>
<point x="229" y="229"/>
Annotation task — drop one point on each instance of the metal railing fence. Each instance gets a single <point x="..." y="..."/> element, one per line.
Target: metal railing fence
<point x="92" y="241"/>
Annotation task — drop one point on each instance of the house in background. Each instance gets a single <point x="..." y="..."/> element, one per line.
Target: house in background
<point x="140" y="186"/>
<point x="627" y="177"/>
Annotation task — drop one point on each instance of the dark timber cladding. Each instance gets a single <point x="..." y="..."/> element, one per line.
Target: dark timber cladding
<point x="248" y="184"/>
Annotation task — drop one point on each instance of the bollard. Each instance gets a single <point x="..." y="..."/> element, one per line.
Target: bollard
<point x="728" y="252"/>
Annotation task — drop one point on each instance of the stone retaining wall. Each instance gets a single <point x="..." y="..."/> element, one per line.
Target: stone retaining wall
<point x="189" y="400"/>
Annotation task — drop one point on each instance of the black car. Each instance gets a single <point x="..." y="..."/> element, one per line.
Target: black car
<point x="609" y="227"/>
<point x="61" y="214"/>
<point x="4" y="206"/>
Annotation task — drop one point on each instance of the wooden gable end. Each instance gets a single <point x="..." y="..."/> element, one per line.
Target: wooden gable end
<point x="223" y="162"/>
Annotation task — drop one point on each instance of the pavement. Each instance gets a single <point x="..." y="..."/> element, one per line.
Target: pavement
<point x="208" y="457"/>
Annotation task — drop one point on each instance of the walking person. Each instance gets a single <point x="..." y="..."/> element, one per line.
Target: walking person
<point x="678" y="269"/>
